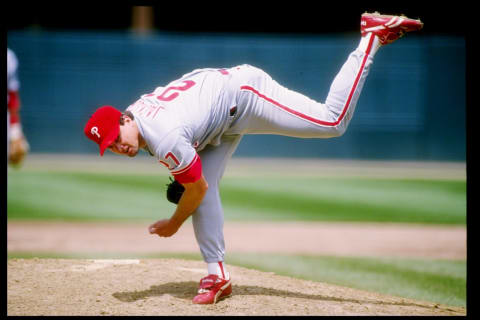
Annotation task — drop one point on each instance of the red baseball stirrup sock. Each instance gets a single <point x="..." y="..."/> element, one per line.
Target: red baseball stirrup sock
<point x="219" y="269"/>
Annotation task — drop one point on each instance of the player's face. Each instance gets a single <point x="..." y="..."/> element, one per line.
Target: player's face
<point x="127" y="142"/>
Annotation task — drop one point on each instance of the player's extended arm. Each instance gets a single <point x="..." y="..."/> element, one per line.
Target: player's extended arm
<point x="189" y="202"/>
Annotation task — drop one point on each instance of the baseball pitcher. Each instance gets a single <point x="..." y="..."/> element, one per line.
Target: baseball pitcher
<point x="193" y="125"/>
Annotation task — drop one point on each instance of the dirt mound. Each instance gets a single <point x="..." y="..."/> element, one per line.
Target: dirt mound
<point x="167" y="286"/>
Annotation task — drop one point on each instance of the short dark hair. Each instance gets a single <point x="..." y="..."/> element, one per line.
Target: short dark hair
<point x="128" y="114"/>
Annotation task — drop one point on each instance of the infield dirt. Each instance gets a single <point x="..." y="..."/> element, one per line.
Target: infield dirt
<point x="167" y="286"/>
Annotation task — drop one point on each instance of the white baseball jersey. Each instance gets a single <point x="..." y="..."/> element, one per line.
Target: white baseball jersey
<point x="183" y="117"/>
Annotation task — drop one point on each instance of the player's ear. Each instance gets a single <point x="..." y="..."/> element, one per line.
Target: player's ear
<point x="127" y="116"/>
<point x="123" y="119"/>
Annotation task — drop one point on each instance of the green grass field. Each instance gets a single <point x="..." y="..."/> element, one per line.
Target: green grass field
<point x="104" y="196"/>
<point x="76" y="195"/>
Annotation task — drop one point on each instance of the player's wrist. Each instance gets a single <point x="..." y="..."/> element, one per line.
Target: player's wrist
<point x="15" y="131"/>
<point x="175" y="222"/>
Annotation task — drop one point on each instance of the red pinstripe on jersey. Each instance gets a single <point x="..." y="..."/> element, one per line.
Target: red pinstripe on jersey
<point x="309" y="118"/>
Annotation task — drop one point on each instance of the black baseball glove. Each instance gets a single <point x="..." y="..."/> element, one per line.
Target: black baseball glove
<point x="174" y="191"/>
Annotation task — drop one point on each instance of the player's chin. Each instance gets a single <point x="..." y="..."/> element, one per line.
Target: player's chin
<point x="132" y="153"/>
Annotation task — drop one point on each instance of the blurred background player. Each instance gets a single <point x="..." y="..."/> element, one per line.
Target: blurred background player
<point x="17" y="145"/>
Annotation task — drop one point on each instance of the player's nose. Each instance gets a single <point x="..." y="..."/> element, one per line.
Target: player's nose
<point x="118" y="148"/>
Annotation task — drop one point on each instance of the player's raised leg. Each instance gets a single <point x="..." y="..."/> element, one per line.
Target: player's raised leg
<point x="267" y="107"/>
<point x="376" y="30"/>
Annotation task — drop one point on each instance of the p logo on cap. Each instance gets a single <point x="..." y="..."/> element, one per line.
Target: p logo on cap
<point x="94" y="131"/>
<point x="103" y="127"/>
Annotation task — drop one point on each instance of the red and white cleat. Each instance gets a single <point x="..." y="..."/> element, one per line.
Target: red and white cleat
<point x="212" y="288"/>
<point x="386" y="27"/>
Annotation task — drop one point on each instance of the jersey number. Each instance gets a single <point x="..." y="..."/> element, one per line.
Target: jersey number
<point x="171" y="161"/>
<point x="167" y="95"/>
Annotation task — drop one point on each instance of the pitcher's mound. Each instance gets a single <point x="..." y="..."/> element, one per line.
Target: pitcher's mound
<point x="167" y="286"/>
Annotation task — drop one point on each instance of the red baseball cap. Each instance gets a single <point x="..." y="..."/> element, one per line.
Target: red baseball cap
<point x="103" y="127"/>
